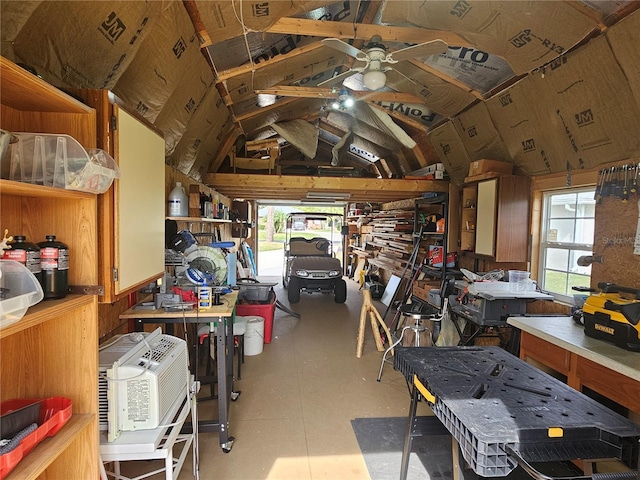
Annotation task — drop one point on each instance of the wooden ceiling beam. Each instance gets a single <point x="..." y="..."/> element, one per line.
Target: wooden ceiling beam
<point x="325" y="92"/>
<point x="232" y="72"/>
<point x="225" y="148"/>
<point x="446" y="78"/>
<point x="294" y="187"/>
<point x="363" y="31"/>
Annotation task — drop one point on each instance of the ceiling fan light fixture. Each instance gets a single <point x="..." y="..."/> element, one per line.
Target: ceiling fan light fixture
<point x="374" y="79"/>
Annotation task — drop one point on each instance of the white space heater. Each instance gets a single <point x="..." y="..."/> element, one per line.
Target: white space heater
<point x="141" y="376"/>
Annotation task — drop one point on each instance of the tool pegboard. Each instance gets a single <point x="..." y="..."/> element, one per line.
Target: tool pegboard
<point x="616" y="228"/>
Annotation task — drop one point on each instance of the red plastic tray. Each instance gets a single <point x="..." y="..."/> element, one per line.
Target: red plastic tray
<point x="54" y="413"/>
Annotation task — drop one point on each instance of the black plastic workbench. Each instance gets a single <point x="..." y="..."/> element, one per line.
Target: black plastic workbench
<point x="504" y="412"/>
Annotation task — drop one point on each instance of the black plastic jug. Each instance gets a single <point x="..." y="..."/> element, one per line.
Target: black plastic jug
<point x="54" y="261"/>
<point x="26" y="253"/>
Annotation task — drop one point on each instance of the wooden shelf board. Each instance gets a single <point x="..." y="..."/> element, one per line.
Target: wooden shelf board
<point x="198" y="219"/>
<point x="47" y="310"/>
<point x="24" y="91"/>
<point x="37" y="461"/>
<point x="9" y="187"/>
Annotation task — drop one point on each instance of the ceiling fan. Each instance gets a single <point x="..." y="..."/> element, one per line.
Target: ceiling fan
<point x="377" y="62"/>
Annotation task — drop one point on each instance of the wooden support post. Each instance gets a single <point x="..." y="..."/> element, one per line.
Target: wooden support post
<point x="375" y="319"/>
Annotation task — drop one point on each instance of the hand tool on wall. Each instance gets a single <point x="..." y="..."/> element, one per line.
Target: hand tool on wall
<point x="598" y="195"/>
<point x="625" y="188"/>
<point x="606" y="184"/>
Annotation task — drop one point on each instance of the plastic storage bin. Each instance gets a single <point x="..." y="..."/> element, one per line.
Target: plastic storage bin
<point x="266" y="311"/>
<point x="255" y="292"/>
<point x="19" y="289"/>
<point x="17" y="415"/>
<point x="60" y="161"/>
<point x="54" y="413"/>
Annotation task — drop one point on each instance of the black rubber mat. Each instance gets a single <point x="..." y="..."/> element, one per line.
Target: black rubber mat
<point x="381" y="441"/>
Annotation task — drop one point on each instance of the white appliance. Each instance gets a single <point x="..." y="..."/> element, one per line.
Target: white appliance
<point x="140" y="376"/>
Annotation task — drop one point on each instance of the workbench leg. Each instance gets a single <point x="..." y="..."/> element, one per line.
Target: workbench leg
<point x="455" y="458"/>
<point x="223" y="381"/>
<point x="408" y="439"/>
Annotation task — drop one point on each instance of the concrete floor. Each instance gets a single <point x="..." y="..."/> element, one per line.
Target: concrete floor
<point x="292" y="420"/>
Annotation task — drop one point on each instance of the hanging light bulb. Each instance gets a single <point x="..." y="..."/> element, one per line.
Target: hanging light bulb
<point x="374" y="79"/>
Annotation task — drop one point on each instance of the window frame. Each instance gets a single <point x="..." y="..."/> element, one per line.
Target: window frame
<point x="545" y="245"/>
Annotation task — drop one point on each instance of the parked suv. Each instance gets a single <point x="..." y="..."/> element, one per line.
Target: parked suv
<point x="309" y="263"/>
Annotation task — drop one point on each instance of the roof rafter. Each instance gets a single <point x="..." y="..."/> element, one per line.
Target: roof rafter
<point x="363" y="31"/>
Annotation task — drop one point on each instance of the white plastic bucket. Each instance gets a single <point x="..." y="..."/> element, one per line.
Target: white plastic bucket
<point x="254" y="335"/>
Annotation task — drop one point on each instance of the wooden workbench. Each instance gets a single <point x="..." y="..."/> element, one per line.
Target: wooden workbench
<point x="222" y="315"/>
<point x="560" y="344"/>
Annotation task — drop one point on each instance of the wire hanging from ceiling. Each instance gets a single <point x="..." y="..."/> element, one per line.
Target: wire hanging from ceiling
<point x="245" y="32"/>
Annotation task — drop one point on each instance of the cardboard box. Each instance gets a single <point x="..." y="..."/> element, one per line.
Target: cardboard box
<point x="493" y="166"/>
<point x="421" y="288"/>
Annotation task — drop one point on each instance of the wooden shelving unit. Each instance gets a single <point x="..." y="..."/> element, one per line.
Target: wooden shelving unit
<point x="469" y="218"/>
<point x="500" y="218"/>
<point x="53" y="350"/>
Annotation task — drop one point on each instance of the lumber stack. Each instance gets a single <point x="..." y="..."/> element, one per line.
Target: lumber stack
<point x="392" y="239"/>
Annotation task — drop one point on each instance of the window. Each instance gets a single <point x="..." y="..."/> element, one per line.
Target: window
<point x="568" y="218"/>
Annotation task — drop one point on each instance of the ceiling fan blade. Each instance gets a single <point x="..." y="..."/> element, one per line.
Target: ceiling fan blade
<point x="406" y="84"/>
<point x="337" y="79"/>
<point x="344" y="47"/>
<point x="421" y="50"/>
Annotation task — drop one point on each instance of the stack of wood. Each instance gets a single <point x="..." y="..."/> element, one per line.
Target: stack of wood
<point x="392" y="239"/>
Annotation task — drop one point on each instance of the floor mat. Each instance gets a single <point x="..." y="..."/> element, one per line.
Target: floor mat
<point x="381" y="441"/>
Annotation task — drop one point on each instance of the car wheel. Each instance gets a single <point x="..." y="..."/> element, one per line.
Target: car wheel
<point x="293" y="292"/>
<point x="340" y="291"/>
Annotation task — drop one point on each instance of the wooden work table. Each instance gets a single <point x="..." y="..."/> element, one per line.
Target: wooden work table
<point x="560" y="344"/>
<point x="222" y="315"/>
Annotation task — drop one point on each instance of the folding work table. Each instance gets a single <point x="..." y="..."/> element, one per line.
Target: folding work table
<point x="222" y="315"/>
<point x="503" y="412"/>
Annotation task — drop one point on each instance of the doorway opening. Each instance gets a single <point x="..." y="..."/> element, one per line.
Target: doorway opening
<point x="271" y="227"/>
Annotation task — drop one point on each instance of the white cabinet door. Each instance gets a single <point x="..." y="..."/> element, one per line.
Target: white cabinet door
<point x="140" y="203"/>
<point x="486" y="217"/>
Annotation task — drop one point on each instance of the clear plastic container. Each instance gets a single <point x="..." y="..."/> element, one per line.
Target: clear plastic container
<point x="19" y="290"/>
<point x="60" y="161"/>
<point x="518" y="281"/>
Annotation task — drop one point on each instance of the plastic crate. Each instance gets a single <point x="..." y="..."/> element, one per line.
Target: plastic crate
<point x="20" y="290"/>
<point x="489" y="399"/>
<point x="60" y="161"/>
<point x="54" y="413"/>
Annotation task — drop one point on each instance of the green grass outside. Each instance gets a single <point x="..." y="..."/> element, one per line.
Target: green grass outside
<point x="556" y="282"/>
<point x="278" y="240"/>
